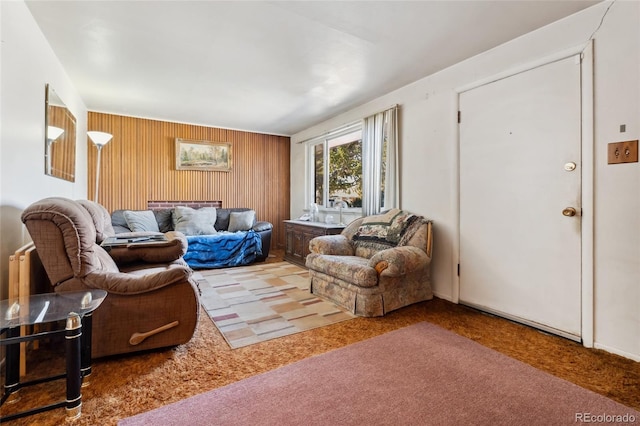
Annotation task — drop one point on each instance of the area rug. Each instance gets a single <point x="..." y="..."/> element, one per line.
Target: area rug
<point x="418" y="375"/>
<point x="259" y="302"/>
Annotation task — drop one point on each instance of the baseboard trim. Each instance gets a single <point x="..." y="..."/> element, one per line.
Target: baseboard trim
<point x="524" y="321"/>
<point x="446" y="297"/>
<point x="634" y="357"/>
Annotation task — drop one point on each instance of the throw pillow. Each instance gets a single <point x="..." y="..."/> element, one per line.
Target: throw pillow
<point x="164" y="219"/>
<point x="141" y="221"/>
<point x="222" y="219"/>
<point x="191" y="221"/>
<point x="241" y="221"/>
<point x="117" y="218"/>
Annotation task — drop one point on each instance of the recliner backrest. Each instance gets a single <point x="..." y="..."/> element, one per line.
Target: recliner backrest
<point x="65" y="237"/>
<point x="101" y="219"/>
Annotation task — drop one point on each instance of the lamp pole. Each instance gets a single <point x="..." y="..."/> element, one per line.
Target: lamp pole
<point x="99" y="139"/>
<point x="98" y="172"/>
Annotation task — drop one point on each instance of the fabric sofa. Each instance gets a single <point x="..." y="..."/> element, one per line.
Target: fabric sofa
<point x="147" y="294"/>
<point x="377" y="264"/>
<point x="216" y="237"/>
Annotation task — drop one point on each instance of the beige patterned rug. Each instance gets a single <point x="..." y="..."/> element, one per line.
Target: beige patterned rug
<point x="251" y="304"/>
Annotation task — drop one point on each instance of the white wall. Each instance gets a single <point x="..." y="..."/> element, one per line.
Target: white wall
<point x="617" y="187"/>
<point x="28" y="64"/>
<point x="428" y="142"/>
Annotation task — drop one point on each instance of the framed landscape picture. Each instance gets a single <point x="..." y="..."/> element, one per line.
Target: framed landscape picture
<point x="203" y="155"/>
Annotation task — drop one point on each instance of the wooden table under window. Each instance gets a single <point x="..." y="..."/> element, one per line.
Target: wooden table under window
<point x="298" y="233"/>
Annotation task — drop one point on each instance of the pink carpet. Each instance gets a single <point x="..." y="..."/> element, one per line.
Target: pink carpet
<point x="419" y="375"/>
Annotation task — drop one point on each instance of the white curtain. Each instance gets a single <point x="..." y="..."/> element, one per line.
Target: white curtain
<point x="374" y="131"/>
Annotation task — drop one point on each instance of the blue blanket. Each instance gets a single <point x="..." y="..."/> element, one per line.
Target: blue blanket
<point x="220" y="250"/>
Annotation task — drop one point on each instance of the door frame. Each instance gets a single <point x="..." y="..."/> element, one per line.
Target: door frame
<point x="587" y="186"/>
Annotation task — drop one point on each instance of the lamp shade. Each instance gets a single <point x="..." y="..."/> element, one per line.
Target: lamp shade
<point x="54" y="133"/>
<point x="99" y="138"/>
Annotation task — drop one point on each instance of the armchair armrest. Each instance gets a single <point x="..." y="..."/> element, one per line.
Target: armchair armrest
<point x="337" y="245"/>
<point x="397" y="261"/>
<point x="131" y="283"/>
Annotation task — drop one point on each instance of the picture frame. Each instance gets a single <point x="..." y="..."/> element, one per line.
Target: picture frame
<point x="203" y="155"/>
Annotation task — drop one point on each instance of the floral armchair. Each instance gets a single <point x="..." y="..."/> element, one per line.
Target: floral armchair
<point x="377" y="264"/>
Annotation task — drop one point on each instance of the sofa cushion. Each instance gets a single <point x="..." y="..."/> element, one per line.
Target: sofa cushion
<point x="241" y="221"/>
<point x="194" y="222"/>
<point x="223" y="216"/>
<point x="352" y="269"/>
<point x="164" y="217"/>
<point x="118" y="220"/>
<point x="141" y="221"/>
<point x="222" y="219"/>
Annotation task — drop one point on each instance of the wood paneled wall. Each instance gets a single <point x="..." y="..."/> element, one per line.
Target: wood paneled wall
<point x="139" y="165"/>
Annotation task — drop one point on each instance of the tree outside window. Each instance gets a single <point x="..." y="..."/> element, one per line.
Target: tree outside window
<point x="318" y="174"/>
<point x="345" y="173"/>
<point x="342" y="158"/>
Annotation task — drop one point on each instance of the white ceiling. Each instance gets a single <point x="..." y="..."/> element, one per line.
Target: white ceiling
<point x="269" y="66"/>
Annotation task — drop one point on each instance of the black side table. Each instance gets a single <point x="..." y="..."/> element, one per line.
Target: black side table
<point x="74" y="307"/>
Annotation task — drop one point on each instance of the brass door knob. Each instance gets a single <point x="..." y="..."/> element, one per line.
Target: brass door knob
<point x="569" y="212"/>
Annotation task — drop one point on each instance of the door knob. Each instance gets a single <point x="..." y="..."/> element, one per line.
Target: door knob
<point x="569" y="212"/>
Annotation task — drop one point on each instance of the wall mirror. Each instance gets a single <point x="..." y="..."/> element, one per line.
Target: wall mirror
<point x="60" y="138"/>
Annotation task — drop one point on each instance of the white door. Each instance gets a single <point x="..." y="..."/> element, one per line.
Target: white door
<point x="520" y="170"/>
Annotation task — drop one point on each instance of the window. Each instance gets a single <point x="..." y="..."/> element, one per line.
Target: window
<point x="356" y="165"/>
<point x="341" y="157"/>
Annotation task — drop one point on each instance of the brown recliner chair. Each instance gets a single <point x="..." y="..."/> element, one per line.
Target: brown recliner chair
<point x="148" y="306"/>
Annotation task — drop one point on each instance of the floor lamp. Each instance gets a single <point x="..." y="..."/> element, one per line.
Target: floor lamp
<point x="99" y="139"/>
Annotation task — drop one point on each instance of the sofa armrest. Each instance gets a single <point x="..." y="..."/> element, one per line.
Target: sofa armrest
<point x="136" y="283"/>
<point x="398" y="261"/>
<point x="261" y="226"/>
<point x="337" y="245"/>
<point x="174" y="248"/>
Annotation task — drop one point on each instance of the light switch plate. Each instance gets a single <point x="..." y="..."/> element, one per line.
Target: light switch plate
<point x="623" y="152"/>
